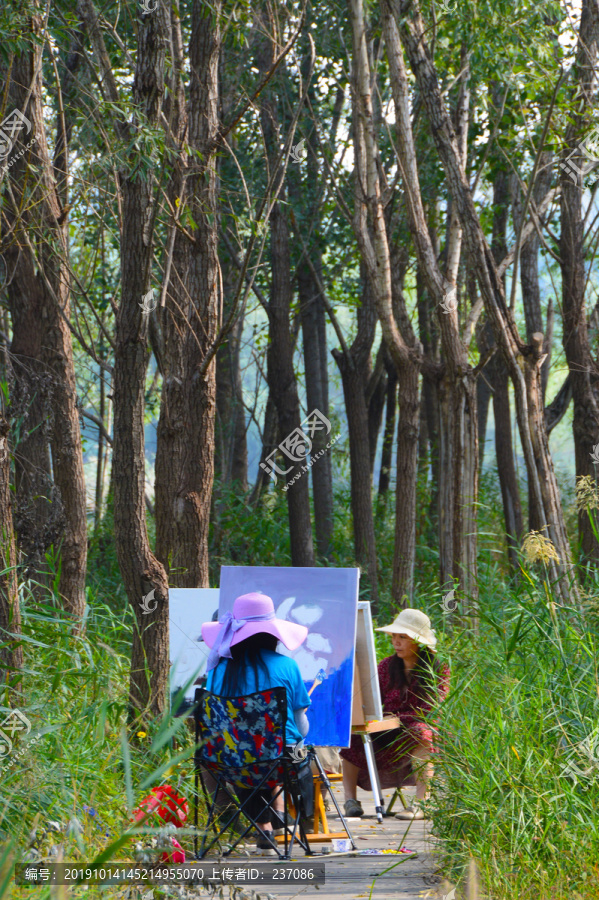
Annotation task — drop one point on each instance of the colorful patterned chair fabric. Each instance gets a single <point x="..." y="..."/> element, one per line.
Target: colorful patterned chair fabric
<point x="243" y="736"/>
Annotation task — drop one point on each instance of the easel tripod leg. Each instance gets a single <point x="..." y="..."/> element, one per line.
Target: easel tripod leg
<point x="374" y="777"/>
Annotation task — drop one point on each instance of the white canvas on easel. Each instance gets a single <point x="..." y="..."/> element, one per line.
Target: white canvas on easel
<point x="367" y="708"/>
<point x="189" y="608"/>
<point x="367" y="705"/>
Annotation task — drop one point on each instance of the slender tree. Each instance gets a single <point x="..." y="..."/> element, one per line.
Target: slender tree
<point x="355" y="368"/>
<point x="142" y="573"/>
<point x="280" y="372"/>
<point x="205" y="290"/>
<point x="173" y="318"/>
<point x="458" y="437"/>
<point x="373" y="240"/>
<point x="524" y="363"/>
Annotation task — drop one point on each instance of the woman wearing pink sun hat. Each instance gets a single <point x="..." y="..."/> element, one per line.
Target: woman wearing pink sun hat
<point x="252" y="614"/>
<point x="244" y="659"/>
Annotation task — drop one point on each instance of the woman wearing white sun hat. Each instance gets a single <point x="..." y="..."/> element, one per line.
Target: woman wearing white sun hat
<point x="412" y="681"/>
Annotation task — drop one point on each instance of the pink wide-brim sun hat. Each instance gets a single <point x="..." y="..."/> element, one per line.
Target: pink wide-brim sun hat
<point x="255" y="604"/>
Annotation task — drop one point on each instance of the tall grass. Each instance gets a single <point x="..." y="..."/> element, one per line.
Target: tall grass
<point x="69" y="785"/>
<point x="517" y="784"/>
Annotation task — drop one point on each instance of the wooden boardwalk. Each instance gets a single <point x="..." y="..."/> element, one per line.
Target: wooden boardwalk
<point x="385" y="877"/>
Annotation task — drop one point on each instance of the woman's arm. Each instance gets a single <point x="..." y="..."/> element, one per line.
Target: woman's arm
<point x="301" y="720"/>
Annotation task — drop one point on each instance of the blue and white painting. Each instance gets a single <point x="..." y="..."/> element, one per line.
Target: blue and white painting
<point x="326" y="602"/>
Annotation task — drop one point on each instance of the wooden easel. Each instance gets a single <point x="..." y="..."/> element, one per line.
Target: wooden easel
<point x="365" y="729"/>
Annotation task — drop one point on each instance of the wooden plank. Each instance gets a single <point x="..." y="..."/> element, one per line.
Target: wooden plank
<point x="317" y="838"/>
<point x="371" y="727"/>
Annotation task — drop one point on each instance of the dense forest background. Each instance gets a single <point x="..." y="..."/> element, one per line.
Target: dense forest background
<point x="309" y="284"/>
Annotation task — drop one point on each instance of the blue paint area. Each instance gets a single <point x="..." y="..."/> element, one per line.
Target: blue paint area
<point x="330" y="724"/>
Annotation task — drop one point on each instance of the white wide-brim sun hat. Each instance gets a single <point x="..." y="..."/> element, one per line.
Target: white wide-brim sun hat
<point x="414" y="623"/>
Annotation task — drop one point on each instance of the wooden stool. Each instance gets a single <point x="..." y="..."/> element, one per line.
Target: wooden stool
<point x="320" y="813"/>
<point x="397" y="794"/>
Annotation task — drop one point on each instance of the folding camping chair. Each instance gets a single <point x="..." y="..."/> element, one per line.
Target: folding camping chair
<point x="240" y="741"/>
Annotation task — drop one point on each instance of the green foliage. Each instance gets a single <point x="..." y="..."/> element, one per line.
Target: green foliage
<point x="75" y="784"/>
<point x="519" y="724"/>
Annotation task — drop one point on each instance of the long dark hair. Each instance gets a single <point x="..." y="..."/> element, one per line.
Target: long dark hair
<point x="426" y="670"/>
<point x="246" y="656"/>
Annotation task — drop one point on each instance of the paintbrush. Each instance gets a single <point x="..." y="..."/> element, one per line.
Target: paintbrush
<point x="320" y="677"/>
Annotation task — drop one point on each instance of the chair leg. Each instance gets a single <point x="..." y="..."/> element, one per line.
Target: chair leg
<point x="241" y="809"/>
<point x="205" y="847"/>
<point x="267" y="808"/>
<point x="303" y="834"/>
<point x="292" y="804"/>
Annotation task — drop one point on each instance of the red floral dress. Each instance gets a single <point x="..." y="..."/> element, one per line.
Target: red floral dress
<point x="393" y="749"/>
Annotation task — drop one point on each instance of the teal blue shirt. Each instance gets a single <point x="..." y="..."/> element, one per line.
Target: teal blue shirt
<point x="282" y="672"/>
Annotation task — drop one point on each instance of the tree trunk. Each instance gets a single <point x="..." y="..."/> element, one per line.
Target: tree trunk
<point x="171" y="433"/>
<point x="280" y="372"/>
<point x="141" y="572"/>
<point x="529" y="262"/>
<point x="283" y="389"/>
<point x="458" y="483"/>
<point x="497" y="374"/>
<point x="306" y="191"/>
<point x="405" y="490"/>
<point x="388" y="432"/>
<point x="429" y="337"/>
<point x="355" y="371"/>
<point x="194" y="492"/>
<point x="269" y="444"/>
<point x="231" y="444"/>
<point x="47" y="218"/>
<point x="317" y="394"/>
<point x="385" y="281"/>
<point x="375" y="395"/>
<point x="361" y="484"/>
<point x="483" y="397"/>
<point x="458" y="425"/>
<point x="100" y="461"/>
<point x="38" y="521"/>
